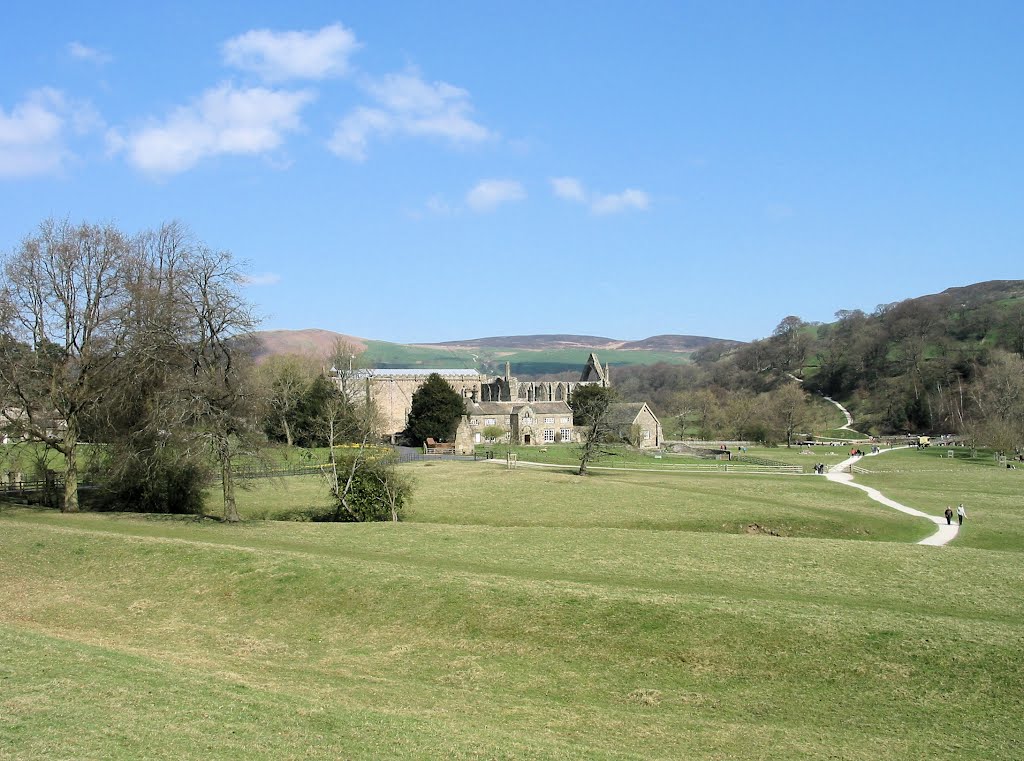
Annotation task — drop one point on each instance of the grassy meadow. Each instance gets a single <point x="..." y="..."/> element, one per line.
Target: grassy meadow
<point x="517" y="614"/>
<point x="929" y="480"/>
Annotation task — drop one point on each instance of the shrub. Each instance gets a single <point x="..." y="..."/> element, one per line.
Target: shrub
<point x="159" y="483"/>
<point x="369" y="489"/>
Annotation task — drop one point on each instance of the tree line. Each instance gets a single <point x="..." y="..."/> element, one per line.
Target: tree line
<point x="141" y="345"/>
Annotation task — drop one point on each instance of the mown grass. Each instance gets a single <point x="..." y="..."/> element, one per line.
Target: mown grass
<point x="517" y="614"/>
<point x="611" y="456"/>
<point x="466" y="493"/>
<point x="929" y="480"/>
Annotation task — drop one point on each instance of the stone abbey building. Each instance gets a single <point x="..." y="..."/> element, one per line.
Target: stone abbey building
<point x="528" y="411"/>
<point x="487" y="397"/>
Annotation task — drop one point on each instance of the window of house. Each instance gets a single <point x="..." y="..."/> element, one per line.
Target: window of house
<point x="565" y="421"/>
<point x="549" y="420"/>
<point x="566" y="434"/>
<point x="647" y="434"/>
<point x="549" y="435"/>
<point x="489" y="421"/>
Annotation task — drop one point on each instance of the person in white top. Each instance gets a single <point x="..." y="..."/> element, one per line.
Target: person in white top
<point x="960" y="513"/>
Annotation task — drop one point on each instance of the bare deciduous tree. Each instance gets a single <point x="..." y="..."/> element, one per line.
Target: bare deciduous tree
<point x="65" y="323"/>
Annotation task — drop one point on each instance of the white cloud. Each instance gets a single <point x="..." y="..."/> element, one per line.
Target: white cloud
<point x="352" y="134"/>
<point x="279" y="56"/>
<point x="223" y="120"/>
<point x="614" y="203"/>
<point x="265" y="278"/>
<point x="487" y="195"/>
<point x="86" y="53"/>
<point x="407" y="105"/>
<point x="32" y="135"/>
<point x="569" y="188"/>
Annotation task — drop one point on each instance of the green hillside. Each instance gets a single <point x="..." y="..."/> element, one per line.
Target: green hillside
<point x="382" y="354"/>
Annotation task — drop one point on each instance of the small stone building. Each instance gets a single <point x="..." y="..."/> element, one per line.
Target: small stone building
<point x="636" y="424"/>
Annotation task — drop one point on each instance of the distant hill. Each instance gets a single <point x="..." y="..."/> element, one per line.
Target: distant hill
<point x="313" y="341"/>
<point x="675" y="343"/>
<point x="529" y="355"/>
<point x="979" y="293"/>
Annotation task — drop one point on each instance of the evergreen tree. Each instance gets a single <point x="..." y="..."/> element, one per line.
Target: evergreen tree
<point x="436" y="409"/>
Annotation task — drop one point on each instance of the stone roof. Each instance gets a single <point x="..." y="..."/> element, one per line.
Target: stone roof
<point x="624" y="413"/>
<point x="543" y="407"/>
<point x="509" y="408"/>
<point x="488" y="408"/>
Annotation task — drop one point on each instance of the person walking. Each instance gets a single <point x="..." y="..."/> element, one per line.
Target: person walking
<point x="960" y="514"/>
<point x="949" y="515"/>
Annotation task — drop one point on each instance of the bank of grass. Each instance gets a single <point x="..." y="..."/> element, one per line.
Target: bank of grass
<point x="125" y="637"/>
<point x="459" y="493"/>
<point x="929" y="480"/>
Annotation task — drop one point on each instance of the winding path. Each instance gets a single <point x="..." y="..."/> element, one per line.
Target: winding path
<point x="846" y="412"/>
<point x="943" y="535"/>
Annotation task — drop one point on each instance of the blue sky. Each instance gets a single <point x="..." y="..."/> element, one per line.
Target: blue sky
<point x="434" y="171"/>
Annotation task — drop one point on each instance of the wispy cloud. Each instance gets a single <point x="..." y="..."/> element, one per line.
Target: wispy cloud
<point x="280" y="56"/>
<point x="33" y="134"/>
<point x="85" y="53"/>
<point x="439" y="207"/>
<point x="406" y="105"/>
<point x="571" y="189"/>
<point x="264" y="278"/>
<point x="82" y="52"/>
<point x="487" y="195"/>
<point x="627" y="200"/>
<point x="223" y="120"/>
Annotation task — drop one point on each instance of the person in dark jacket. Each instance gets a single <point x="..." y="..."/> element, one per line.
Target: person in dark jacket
<point x="949" y="515"/>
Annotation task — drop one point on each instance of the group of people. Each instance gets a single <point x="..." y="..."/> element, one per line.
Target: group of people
<point x="960" y="514"/>
<point x="820" y="468"/>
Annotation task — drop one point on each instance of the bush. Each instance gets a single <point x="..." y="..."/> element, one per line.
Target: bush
<point x="377" y="491"/>
<point x="158" y="484"/>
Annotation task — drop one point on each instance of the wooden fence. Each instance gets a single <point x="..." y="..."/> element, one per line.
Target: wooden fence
<point x="255" y="471"/>
<point x="39" y="492"/>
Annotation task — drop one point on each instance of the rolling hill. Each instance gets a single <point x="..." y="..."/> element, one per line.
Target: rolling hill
<point x="529" y="355"/>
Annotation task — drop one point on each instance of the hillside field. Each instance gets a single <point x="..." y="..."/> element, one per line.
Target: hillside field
<point x="523" y="614"/>
<point x="525" y="362"/>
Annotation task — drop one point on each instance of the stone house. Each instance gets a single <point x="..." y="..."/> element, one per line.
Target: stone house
<point x="526" y="424"/>
<point x="637" y="424"/>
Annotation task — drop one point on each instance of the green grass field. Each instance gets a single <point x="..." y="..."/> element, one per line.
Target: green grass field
<point x="517" y="614"/>
<point x="929" y="480"/>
